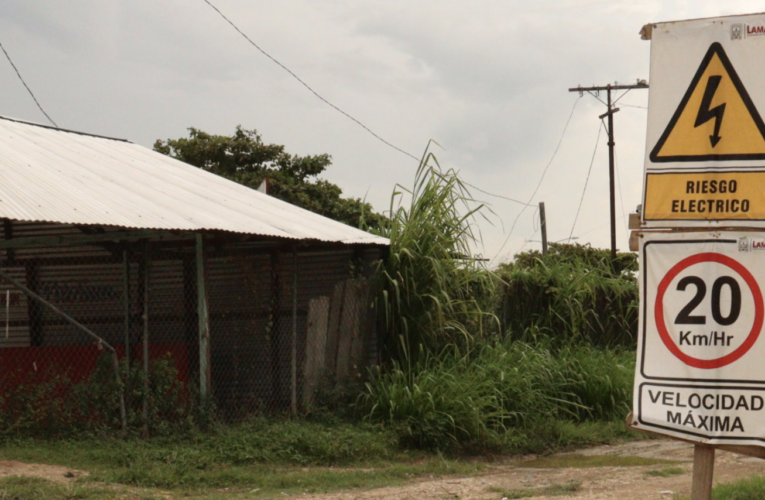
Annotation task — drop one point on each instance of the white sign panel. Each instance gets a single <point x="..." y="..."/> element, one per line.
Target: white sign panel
<point x="705" y="149"/>
<point x="701" y="354"/>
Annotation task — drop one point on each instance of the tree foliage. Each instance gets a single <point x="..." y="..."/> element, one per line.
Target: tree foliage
<point x="244" y="158"/>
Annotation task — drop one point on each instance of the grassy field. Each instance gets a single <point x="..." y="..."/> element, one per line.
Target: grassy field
<point x="259" y="459"/>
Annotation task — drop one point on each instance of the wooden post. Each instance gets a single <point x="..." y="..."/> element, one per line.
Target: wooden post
<point x="543" y="226"/>
<point x="126" y="308"/>
<point x="293" y="392"/>
<point x="204" y="322"/>
<point x="147" y="266"/>
<point x="703" y="472"/>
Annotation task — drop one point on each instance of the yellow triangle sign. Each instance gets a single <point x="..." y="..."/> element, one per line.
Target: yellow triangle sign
<point x="716" y="119"/>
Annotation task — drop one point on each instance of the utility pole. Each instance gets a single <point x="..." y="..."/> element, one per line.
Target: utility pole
<point x="641" y="84"/>
<point x="543" y="226"/>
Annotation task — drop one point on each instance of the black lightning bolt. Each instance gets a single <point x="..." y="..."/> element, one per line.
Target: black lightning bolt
<point x="706" y="114"/>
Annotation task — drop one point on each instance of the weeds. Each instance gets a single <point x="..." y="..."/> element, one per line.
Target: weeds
<point x="666" y="472"/>
<point x="433" y="294"/>
<point x="553" y="490"/>
<point x="43" y="405"/>
<point x="572" y="294"/>
<point x="499" y="396"/>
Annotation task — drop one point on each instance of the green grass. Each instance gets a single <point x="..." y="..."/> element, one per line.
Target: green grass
<point x="268" y="456"/>
<point x="587" y="461"/>
<point x="665" y="472"/>
<point x="502" y="397"/>
<point x="29" y="488"/>
<point x="752" y="488"/>
<point x="553" y="490"/>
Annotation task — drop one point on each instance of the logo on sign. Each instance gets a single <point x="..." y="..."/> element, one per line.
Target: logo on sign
<point x="751" y="244"/>
<point x="743" y="244"/>
<point x="755" y="30"/>
<point x="716" y="119"/>
<point x="736" y="31"/>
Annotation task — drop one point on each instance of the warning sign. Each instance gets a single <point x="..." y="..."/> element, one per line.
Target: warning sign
<point x="716" y="119"/>
<point x="705" y="144"/>
<point x="700" y="347"/>
<point x="727" y="195"/>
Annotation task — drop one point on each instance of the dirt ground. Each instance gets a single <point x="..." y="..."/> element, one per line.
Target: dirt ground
<point x="51" y="472"/>
<point x="598" y="483"/>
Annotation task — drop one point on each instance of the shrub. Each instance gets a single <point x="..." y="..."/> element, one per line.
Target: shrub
<point x="41" y="405"/>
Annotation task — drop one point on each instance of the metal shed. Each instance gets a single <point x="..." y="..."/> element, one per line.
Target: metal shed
<point x="109" y="247"/>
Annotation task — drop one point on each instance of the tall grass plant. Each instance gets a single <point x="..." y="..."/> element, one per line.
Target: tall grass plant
<point x="573" y="294"/>
<point x="433" y="293"/>
<point x="500" y="395"/>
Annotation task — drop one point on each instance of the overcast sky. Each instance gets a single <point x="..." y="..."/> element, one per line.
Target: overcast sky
<point x="487" y="80"/>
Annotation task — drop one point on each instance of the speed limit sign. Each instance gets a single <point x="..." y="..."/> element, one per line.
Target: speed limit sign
<point x="701" y="351"/>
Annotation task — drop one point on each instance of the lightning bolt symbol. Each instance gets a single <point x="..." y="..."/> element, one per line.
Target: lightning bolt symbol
<point x="706" y="114"/>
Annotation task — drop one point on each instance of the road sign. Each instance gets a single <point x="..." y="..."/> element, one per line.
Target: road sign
<point x="705" y="126"/>
<point x="700" y="359"/>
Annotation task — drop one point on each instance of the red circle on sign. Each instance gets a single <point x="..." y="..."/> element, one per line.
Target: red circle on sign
<point x="758" y="311"/>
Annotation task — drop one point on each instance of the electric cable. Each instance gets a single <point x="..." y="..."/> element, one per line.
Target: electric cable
<point x="619" y="183"/>
<point x="497" y="195"/>
<point x="7" y="56"/>
<point x="544" y="172"/>
<point x="587" y="180"/>
<point x="314" y="92"/>
<point x="285" y="68"/>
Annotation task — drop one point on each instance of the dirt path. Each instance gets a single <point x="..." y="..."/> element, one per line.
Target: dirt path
<point x="598" y="483"/>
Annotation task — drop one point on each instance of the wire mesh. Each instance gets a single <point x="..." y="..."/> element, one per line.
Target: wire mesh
<point x="238" y="329"/>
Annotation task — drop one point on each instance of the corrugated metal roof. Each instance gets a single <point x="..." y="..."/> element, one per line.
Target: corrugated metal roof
<point x="55" y="175"/>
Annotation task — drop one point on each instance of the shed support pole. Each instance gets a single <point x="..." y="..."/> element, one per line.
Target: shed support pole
<point x="204" y="322"/>
<point x="293" y="393"/>
<point x="147" y="265"/>
<point x="126" y="306"/>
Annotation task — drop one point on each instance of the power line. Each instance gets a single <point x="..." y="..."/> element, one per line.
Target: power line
<point x="555" y="152"/>
<point x="598" y="227"/>
<point x="619" y="183"/>
<point x="587" y="180"/>
<point x="26" y="86"/>
<point x="343" y="112"/>
<point x="336" y="108"/>
<point x="285" y="68"/>
<point x="497" y="195"/>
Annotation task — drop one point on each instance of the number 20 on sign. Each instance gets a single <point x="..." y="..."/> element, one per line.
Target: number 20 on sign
<point x="700" y="351"/>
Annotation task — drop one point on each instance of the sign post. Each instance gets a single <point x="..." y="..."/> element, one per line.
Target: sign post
<point x="699" y="374"/>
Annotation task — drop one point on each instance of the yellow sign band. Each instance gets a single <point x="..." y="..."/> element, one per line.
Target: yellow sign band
<point x="705" y="196"/>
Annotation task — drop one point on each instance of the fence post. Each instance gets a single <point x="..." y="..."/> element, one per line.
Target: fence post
<point x="126" y="308"/>
<point x="147" y="266"/>
<point x="293" y="394"/>
<point x="204" y="321"/>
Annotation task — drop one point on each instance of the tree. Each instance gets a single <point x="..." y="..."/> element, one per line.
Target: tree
<point x="246" y="159"/>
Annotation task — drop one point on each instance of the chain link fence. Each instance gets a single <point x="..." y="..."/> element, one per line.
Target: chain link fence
<point x="144" y="336"/>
